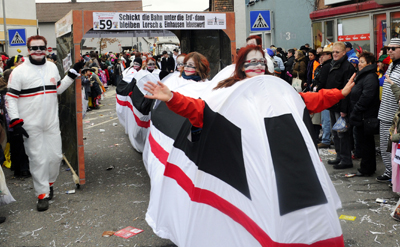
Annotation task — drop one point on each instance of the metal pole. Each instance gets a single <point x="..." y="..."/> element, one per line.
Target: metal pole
<point x="5" y="28"/>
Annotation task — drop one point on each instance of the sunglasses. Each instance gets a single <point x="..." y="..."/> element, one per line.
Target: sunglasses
<point x="35" y="48"/>
<point x="255" y="62"/>
<point x="393" y="48"/>
<point x="189" y="66"/>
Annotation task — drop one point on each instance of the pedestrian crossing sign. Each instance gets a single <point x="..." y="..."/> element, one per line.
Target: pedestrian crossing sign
<point x="17" y="37"/>
<point x="260" y="20"/>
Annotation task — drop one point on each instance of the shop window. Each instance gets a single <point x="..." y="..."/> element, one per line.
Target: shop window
<point x="329" y="32"/>
<point x="317" y="35"/>
<point x="380" y="33"/>
<point x="356" y="31"/>
<point x="395" y="25"/>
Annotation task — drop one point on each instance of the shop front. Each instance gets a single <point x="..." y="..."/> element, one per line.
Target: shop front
<point x="367" y="25"/>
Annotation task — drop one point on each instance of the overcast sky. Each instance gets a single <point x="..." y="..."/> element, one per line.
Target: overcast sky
<point x="156" y="5"/>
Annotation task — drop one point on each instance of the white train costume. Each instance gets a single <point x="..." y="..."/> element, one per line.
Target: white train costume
<point x="32" y="101"/>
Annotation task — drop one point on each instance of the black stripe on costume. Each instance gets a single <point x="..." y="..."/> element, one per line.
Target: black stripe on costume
<point x="58" y="83"/>
<point x="142" y="104"/>
<point x="166" y="121"/>
<point x="218" y="151"/>
<point x="124" y="88"/>
<point x="297" y="182"/>
<point x="13" y="91"/>
<point x="38" y="89"/>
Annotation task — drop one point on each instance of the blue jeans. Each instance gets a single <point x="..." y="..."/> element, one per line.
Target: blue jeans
<point x="326" y="127"/>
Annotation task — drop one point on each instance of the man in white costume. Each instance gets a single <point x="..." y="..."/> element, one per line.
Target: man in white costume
<point x="31" y="102"/>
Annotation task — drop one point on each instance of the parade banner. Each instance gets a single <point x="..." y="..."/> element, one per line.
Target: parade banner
<point x="63" y="26"/>
<point x="157" y="21"/>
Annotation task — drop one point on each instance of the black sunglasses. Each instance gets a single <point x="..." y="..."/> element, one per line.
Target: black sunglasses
<point x="393" y="48"/>
<point x="35" y="48"/>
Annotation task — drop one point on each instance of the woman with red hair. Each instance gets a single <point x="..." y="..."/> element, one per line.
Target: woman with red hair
<point x="151" y="66"/>
<point x="248" y="116"/>
<point x="195" y="67"/>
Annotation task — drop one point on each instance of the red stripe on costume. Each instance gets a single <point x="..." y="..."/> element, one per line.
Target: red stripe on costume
<point x="210" y="198"/>
<point x="140" y="123"/>
<point x="42" y="196"/>
<point x="12" y="95"/>
<point x="36" y="94"/>
<point x="157" y="150"/>
<point x="16" y="122"/>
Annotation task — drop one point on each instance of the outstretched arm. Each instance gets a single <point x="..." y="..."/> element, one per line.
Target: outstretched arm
<point x="63" y="84"/>
<point x="192" y="109"/>
<point x="325" y="98"/>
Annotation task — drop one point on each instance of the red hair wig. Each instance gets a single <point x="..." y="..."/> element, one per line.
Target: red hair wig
<point x="256" y="37"/>
<point x="150" y="59"/>
<point x="201" y="63"/>
<point x="35" y="37"/>
<point x="239" y="74"/>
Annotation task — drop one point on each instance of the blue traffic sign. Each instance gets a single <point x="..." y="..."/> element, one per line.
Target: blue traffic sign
<point x="260" y="20"/>
<point x="17" y="37"/>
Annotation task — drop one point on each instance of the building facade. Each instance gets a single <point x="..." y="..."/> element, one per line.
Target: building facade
<point x="20" y="22"/>
<point x="289" y="22"/>
<point x="366" y="24"/>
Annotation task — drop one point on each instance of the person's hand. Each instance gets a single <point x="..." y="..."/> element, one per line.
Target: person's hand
<point x="74" y="72"/>
<point x="16" y="124"/>
<point x="388" y="79"/>
<point x="159" y="91"/>
<point x="342" y="114"/>
<point x="350" y="84"/>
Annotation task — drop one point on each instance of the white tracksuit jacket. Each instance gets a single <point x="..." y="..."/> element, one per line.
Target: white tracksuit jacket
<point x="32" y="96"/>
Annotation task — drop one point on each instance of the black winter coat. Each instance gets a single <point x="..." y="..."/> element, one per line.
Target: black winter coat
<point x="339" y="74"/>
<point x="288" y="67"/>
<point x="364" y="97"/>
<point x="289" y="64"/>
<point x="321" y="74"/>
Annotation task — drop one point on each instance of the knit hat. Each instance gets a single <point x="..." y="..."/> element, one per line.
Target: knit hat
<point x="385" y="59"/>
<point x="138" y="60"/>
<point x="353" y="60"/>
<point x="395" y="41"/>
<point x="348" y="45"/>
<point x="270" y="52"/>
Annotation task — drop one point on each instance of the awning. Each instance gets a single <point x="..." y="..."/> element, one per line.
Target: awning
<point x="348" y="9"/>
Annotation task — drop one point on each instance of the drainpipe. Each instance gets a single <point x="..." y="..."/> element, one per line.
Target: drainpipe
<point x="5" y="28"/>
